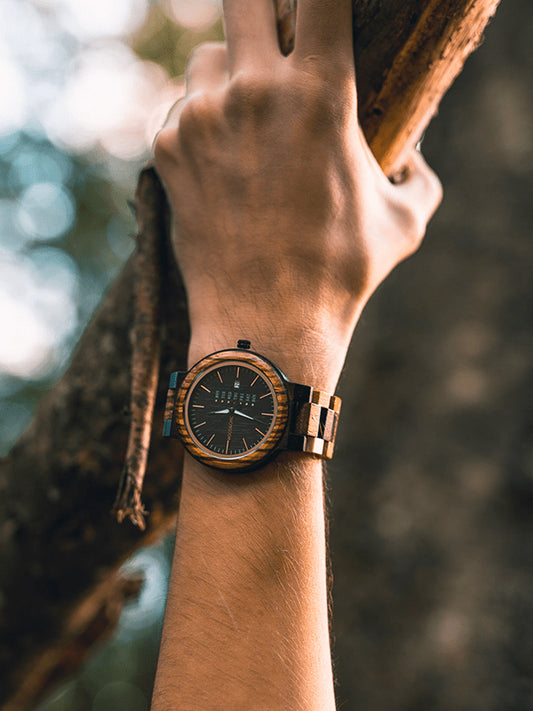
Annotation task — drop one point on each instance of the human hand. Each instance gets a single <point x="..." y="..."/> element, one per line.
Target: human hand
<point x="283" y="222"/>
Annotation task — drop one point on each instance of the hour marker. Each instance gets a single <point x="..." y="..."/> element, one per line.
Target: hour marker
<point x="261" y="433"/>
<point x="245" y="443"/>
<point x="207" y="389"/>
<point x="210" y="440"/>
<point x="238" y="371"/>
<point x="268" y="414"/>
<point x="262" y="396"/>
<point x="253" y="381"/>
<point x="198" y="405"/>
<point x="219" y="376"/>
<point x="201" y="423"/>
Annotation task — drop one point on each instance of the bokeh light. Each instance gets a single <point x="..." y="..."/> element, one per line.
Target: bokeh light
<point x="46" y="165"/>
<point x="77" y="98"/>
<point x="84" y="87"/>
<point x="13" y="96"/>
<point x="38" y="310"/>
<point x="93" y="19"/>
<point x="150" y="604"/>
<point x="45" y="211"/>
<point x="194" y="14"/>
<point x="106" y="100"/>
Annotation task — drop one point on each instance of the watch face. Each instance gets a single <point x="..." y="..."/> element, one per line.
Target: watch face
<point x="230" y="410"/>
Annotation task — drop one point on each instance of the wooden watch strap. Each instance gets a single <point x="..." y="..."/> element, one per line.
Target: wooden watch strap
<point x="314" y="423"/>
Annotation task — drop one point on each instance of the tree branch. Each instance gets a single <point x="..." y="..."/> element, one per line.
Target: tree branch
<point x="57" y="539"/>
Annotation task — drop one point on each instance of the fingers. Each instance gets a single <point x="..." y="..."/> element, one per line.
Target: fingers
<point x="173" y="117"/>
<point x="324" y="28"/>
<point x="207" y="67"/>
<point x="420" y="194"/>
<point x="206" y="70"/>
<point x="251" y="32"/>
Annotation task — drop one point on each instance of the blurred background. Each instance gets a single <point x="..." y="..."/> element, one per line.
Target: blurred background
<point x="432" y="487"/>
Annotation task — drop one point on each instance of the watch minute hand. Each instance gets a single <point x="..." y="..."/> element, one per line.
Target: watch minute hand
<point x="242" y="414"/>
<point x="220" y="412"/>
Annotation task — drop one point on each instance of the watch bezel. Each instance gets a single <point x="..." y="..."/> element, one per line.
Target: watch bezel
<point x="262" y="452"/>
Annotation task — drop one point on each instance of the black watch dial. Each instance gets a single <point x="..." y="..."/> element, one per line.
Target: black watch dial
<point x="230" y="409"/>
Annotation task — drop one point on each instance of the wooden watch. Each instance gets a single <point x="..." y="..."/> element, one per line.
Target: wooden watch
<point x="235" y="410"/>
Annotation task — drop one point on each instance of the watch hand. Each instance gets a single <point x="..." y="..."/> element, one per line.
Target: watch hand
<point x="220" y="412"/>
<point x="242" y="414"/>
<point x="230" y="430"/>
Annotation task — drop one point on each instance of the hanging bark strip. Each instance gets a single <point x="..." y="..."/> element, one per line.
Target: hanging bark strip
<point x="146" y="351"/>
<point x="57" y="539"/>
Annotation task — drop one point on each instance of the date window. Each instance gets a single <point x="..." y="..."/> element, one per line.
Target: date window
<point x="237" y="384"/>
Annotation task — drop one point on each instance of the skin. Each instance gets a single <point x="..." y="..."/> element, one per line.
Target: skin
<point x="283" y="226"/>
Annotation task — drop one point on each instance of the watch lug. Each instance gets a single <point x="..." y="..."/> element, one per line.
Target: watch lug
<point x="298" y="395"/>
<point x="170" y="428"/>
<point x="177" y="378"/>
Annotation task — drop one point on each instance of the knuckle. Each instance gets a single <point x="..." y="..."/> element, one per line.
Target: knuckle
<point x="165" y="147"/>
<point x="249" y="94"/>
<point x="200" y="111"/>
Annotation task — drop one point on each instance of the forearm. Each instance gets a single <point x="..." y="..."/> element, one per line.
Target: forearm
<point x="246" y="624"/>
<point x="283" y="226"/>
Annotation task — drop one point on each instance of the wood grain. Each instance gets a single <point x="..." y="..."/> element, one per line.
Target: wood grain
<point x="267" y="448"/>
<point x="146" y="356"/>
<point x="407" y="55"/>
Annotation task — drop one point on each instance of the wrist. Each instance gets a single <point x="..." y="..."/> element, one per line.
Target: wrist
<point x="309" y="358"/>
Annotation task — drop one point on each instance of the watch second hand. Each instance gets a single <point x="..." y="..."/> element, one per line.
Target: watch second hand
<point x="230" y="430"/>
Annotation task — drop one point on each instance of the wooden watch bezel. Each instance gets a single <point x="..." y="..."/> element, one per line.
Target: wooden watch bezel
<point x="268" y="446"/>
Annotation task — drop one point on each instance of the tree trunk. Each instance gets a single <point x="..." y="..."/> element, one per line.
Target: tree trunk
<point x="59" y="547"/>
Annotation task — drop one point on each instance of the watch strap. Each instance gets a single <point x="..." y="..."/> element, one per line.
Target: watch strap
<point x="314" y="421"/>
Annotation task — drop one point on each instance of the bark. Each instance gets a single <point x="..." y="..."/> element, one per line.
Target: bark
<point x="59" y="546"/>
<point x="146" y="349"/>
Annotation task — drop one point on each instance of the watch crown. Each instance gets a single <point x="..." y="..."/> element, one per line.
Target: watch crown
<point x="245" y="345"/>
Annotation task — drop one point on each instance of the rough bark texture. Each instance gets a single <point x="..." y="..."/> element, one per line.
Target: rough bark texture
<point x="58" y="542"/>
<point x="146" y="348"/>
<point x="407" y="54"/>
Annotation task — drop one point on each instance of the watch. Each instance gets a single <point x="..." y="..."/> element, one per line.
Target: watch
<point x="235" y="410"/>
